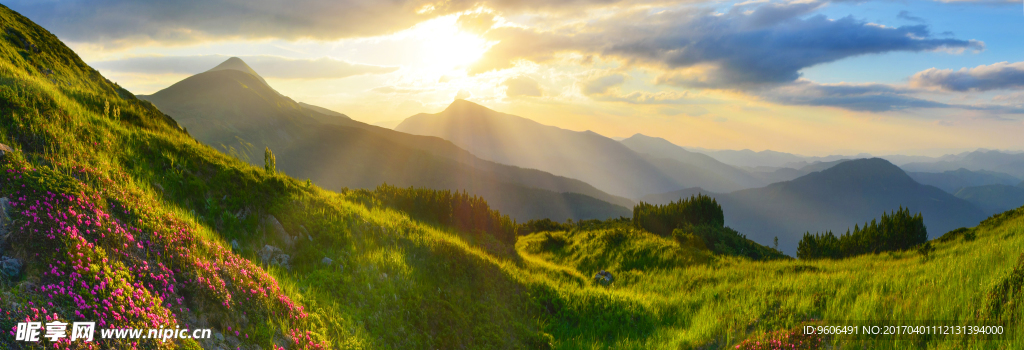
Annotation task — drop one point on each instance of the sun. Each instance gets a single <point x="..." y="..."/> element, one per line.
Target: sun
<point x="443" y="47"/>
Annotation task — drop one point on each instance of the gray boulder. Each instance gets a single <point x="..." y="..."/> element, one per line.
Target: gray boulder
<point x="5" y="218"/>
<point x="278" y="230"/>
<point x="10" y="267"/>
<point x="273" y="256"/>
<point x="235" y="247"/>
<point x="327" y="261"/>
<point x="604" y="278"/>
<point x="4" y="150"/>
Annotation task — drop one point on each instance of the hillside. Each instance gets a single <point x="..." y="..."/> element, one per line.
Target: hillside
<point x="232" y="108"/>
<point x="508" y="139"/>
<point x="993" y="199"/>
<point x="849" y="193"/>
<point x="331" y="116"/>
<point x="953" y="180"/>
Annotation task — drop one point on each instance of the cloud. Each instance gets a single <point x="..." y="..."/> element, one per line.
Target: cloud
<point x="856" y="97"/>
<point x="266" y="66"/>
<point x="907" y="16"/>
<point x="521" y="86"/>
<point x="121" y="23"/>
<point x="870" y="97"/>
<point x="398" y="90"/>
<point x="741" y="48"/>
<point x="645" y="98"/>
<point x="996" y="76"/>
<point x="478" y="22"/>
<point x="601" y="84"/>
<point x="463" y="94"/>
<point x="693" y="111"/>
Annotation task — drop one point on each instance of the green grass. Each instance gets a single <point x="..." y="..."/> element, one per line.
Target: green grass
<point x="398" y="283"/>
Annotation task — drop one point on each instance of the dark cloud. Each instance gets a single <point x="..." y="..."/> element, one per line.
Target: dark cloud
<point x="856" y="97"/>
<point x="521" y="86"/>
<point x="741" y="48"/>
<point x="907" y="16"/>
<point x="266" y="66"/>
<point x="864" y="97"/>
<point x="997" y="76"/>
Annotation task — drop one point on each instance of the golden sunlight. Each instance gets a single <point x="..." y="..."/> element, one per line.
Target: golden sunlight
<point x="443" y="46"/>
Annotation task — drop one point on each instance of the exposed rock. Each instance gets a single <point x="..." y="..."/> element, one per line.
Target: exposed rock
<point x="604" y="278"/>
<point x="279" y="231"/>
<point x="273" y="256"/>
<point x="283" y="340"/>
<point x="218" y="336"/>
<point x="235" y="247"/>
<point x="4" y="150"/>
<point x="5" y="217"/>
<point x="327" y="261"/>
<point x="10" y="267"/>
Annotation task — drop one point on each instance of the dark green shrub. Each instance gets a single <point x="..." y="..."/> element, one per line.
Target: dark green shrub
<point x="895" y="231"/>
<point x="662" y="219"/>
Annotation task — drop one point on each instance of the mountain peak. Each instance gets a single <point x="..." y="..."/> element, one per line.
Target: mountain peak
<point x="464" y="105"/>
<point x="235" y="63"/>
<point x="867" y="169"/>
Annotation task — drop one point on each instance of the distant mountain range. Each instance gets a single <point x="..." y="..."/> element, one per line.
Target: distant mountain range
<point x="232" y="107"/>
<point x="954" y="180"/>
<point x="768" y="159"/>
<point x="691" y="168"/>
<point x="993" y="199"/>
<point x="1008" y="163"/>
<point x="634" y="167"/>
<point x="508" y="139"/>
<point x="837" y="198"/>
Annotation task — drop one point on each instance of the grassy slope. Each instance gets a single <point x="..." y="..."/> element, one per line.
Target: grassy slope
<point x="402" y="284"/>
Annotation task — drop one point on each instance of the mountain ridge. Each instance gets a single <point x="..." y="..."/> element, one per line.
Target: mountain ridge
<point x="847" y="194"/>
<point x="234" y="110"/>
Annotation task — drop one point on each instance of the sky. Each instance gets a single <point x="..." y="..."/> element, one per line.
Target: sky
<point x="810" y="77"/>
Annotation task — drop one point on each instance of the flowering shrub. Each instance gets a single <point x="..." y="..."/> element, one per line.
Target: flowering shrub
<point x="792" y="339"/>
<point x="127" y="268"/>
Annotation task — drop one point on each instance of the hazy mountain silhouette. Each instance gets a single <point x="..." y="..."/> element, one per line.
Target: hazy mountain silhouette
<point x="335" y="117"/>
<point x="691" y="168"/>
<point x="768" y="160"/>
<point x="993" y="199"/>
<point x="1008" y="163"/>
<point x="953" y="180"/>
<point x="232" y="106"/>
<point x="505" y="138"/>
<point x="836" y="199"/>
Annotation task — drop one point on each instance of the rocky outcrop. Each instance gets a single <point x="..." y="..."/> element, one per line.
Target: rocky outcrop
<point x="10" y="267"/>
<point x="4" y="150"/>
<point x="273" y="256"/>
<point x="604" y="278"/>
<point x="278" y="231"/>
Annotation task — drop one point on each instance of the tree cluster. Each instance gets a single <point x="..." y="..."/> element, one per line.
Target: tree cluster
<point x="898" y="230"/>
<point x="457" y="210"/>
<point x="663" y="219"/>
